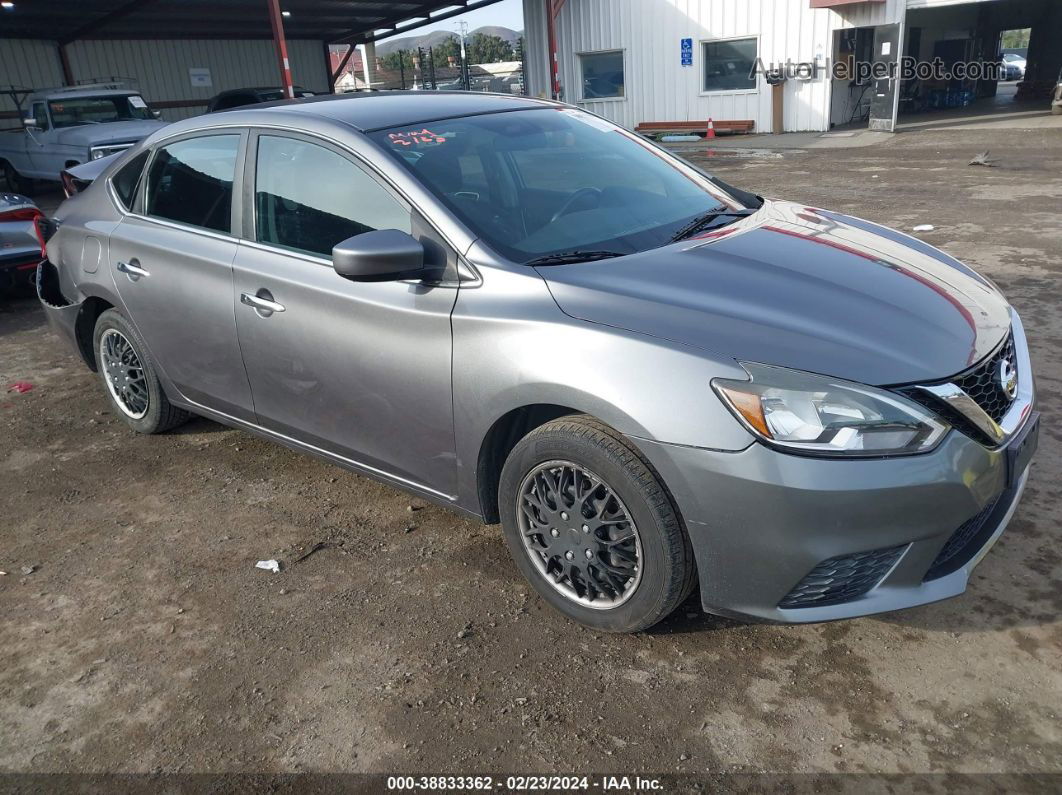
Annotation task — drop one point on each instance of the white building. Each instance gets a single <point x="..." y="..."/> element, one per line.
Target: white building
<point x="624" y="59"/>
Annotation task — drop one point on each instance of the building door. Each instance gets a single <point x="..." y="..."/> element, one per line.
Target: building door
<point x="886" y="84"/>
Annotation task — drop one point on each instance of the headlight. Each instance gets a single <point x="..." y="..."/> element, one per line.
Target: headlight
<point x="824" y="416"/>
<point x="96" y="152"/>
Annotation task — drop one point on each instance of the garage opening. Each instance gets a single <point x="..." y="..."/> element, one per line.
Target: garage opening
<point x="995" y="61"/>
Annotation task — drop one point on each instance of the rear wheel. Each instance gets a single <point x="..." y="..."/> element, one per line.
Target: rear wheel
<point x="129" y="377"/>
<point x="589" y="523"/>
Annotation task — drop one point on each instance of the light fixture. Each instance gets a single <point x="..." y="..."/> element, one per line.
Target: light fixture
<point x="285" y="13"/>
<point x="7" y="5"/>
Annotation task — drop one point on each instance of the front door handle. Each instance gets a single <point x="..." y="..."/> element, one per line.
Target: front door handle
<point x="132" y="269"/>
<point x="260" y="303"/>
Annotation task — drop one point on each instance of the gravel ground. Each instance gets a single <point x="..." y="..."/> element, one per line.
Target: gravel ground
<point x="143" y="638"/>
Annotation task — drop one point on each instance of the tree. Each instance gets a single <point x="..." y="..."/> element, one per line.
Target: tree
<point x="396" y="61"/>
<point x="450" y="48"/>
<point x="1016" y="39"/>
<point x="482" y="48"/>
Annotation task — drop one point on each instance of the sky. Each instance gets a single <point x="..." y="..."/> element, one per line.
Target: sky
<point x="507" y="14"/>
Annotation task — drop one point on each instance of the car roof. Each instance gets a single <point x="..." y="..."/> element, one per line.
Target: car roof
<point x="368" y="111"/>
<point x="79" y="93"/>
<point x="256" y="90"/>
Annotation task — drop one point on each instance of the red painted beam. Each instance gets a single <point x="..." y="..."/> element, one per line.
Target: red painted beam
<point x="277" y="21"/>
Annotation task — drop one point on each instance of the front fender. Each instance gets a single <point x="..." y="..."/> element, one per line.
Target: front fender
<point x="513" y="348"/>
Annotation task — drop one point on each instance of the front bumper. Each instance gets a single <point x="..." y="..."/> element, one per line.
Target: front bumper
<point x="761" y="522"/>
<point x="795" y="539"/>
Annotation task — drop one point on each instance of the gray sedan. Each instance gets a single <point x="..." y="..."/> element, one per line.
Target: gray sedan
<point x="653" y="380"/>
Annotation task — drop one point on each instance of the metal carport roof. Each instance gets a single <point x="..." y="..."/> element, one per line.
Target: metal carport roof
<point x="333" y="21"/>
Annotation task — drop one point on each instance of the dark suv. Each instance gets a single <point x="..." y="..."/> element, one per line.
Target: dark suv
<point x="238" y="97"/>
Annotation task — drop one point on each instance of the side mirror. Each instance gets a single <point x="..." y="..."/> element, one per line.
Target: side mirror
<point x="29" y="123"/>
<point x="384" y="255"/>
<point x="157" y="114"/>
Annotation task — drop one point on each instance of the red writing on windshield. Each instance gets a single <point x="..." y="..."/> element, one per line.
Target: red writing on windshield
<point x="424" y="136"/>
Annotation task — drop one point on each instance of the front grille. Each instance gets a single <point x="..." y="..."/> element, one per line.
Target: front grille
<point x="963" y="544"/>
<point x="983" y="385"/>
<point x="842" y="579"/>
<point x="983" y="382"/>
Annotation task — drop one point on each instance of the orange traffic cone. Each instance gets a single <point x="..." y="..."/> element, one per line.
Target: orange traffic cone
<point x="711" y="130"/>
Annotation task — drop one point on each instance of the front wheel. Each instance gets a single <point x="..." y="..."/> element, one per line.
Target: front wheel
<point x="16" y="183"/>
<point x="592" y="527"/>
<point x="129" y="377"/>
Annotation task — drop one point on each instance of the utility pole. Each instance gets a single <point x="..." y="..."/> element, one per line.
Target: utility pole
<point x="462" y="26"/>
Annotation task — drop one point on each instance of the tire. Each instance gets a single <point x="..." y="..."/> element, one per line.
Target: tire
<point x="553" y="456"/>
<point x="143" y="406"/>
<point x="15" y="182"/>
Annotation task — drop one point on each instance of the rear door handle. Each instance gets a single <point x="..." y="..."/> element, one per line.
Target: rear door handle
<point x="260" y="303"/>
<point x="132" y="269"/>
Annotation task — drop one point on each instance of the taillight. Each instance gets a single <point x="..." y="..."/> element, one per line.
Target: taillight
<point x="22" y="214"/>
<point x="39" y="224"/>
<point x="69" y="183"/>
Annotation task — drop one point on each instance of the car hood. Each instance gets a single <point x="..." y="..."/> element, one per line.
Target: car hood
<point x="109" y="132"/>
<point x="803" y="288"/>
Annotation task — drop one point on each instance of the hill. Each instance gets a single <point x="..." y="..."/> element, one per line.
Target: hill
<point x="437" y="37"/>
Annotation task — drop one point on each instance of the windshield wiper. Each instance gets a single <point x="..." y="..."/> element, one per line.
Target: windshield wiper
<point x="567" y="257"/>
<point x="704" y="219"/>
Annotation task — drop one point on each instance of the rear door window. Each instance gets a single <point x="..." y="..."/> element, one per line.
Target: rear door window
<point x="309" y="198"/>
<point x="190" y="182"/>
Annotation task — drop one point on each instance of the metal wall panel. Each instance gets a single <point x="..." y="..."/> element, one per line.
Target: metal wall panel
<point x="160" y="67"/>
<point x="658" y="88"/>
<point x="27" y="63"/>
<point x="536" y="48"/>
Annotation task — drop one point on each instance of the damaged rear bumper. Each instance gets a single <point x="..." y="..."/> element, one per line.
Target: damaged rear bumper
<point x="61" y="313"/>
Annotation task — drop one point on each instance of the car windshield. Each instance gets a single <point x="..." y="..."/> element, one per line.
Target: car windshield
<point x="76" y="111"/>
<point x="547" y="182"/>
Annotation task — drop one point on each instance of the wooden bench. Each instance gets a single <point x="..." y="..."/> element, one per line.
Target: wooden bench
<point x="721" y="126"/>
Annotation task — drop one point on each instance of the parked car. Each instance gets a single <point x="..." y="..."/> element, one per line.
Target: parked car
<point x="239" y="97"/>
<point x="528" y="314"/>
<point x="67" y="126"/>
<point x="1013" y="66"/>
<point x="21" y="241"/>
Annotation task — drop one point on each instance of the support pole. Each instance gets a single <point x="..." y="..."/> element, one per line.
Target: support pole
<point x="64" y="62"/>
<point x="553" y="8"/>
<point x="277" y="21"/>
<point x="368" y="63"/>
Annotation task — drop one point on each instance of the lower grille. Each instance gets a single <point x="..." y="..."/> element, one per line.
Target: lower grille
<point x="842" y="579"/>
<point x="963" y="544"/>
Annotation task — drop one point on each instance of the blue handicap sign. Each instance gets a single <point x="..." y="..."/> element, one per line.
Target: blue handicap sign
<point x="687" y="52"/>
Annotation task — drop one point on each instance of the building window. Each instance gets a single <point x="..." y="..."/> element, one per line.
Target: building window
<point x="602" y="74"/>
<point x="728" y="65"/>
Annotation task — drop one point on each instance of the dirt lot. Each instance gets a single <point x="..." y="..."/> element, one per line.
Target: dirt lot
<point x="145" y="640"/>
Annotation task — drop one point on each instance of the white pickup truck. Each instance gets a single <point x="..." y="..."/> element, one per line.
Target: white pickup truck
<point x="63" y="127"/>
